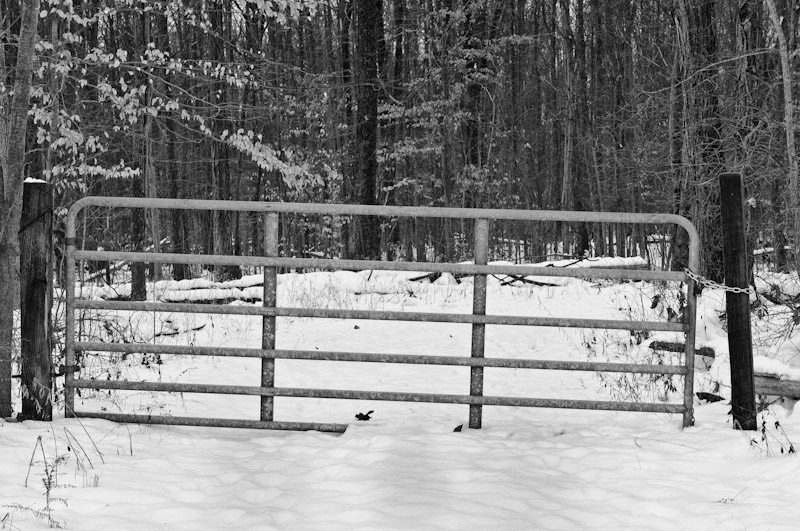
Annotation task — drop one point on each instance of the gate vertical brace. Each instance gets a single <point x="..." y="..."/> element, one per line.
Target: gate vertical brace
<point x="690" y="318"/>
<point x="270" y="300"/>
<point x="69" y="324"/>
<point x="478" y="308"/>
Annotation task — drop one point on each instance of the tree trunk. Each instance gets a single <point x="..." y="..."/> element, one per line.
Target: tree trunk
<point x="475" y="32"/>
<point x="178" y="217"/>
<point x="701" y="147"/>
<point x="365" y="232"/>
<point x="222" y="221"/>
<point x="567" y="201"/>
<point x="391" y="237"/>
<point x="138" y="241"/>
<point x="35" y="301"/>
<point x="13" y="129"/>
<point x="788" y="123"/>
<point x="447" y="129"/>
<point x="151" y="188"/>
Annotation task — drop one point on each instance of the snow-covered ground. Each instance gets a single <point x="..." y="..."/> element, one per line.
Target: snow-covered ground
<point x="406" y="468"/>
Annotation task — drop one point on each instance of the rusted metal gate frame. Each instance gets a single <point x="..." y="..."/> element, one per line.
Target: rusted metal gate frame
<point x="269" y="311"/>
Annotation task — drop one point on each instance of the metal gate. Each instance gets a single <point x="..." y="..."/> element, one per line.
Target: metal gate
<point x="269" y="311"/>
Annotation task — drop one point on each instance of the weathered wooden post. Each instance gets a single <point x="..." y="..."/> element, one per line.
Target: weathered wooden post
<point x="737" y="304"/>
<point x="36" y="236"/>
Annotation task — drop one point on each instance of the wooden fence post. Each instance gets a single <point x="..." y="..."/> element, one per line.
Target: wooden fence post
<point x="737" y="305"/>
<point x="36" y="233"/>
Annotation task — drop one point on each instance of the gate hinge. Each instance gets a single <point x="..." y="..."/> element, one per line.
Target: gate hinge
<point x="67" y="369"/>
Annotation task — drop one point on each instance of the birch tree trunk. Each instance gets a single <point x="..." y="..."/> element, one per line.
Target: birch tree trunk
<point x="788" y="122"/>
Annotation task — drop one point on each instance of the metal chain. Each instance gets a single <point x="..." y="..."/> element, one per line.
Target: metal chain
<point x="716" y="285"/>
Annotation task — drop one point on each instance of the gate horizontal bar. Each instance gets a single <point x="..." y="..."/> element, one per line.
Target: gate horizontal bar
<point x="381" y="210"/>
<point x="392" y="211"/>
<point x="379" y="395"/>
<point x="371" y="357"/>
<point x="362" y="265"/>
<point x="213" y="422"/>
<point x="323" y="313"/>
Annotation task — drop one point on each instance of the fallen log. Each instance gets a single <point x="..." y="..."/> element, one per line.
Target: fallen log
<point x="510" y="279"/>
<point x="770" y="385"/>
<point x="430" y="277"/>
<point x="433" y="277"/>
<point x="669" y="346"/>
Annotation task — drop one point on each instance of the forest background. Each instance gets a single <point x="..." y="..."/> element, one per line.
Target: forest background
<point x="608" y="105"/>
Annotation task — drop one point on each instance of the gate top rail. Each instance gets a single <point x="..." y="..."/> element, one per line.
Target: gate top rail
<point x="380" y="210"/>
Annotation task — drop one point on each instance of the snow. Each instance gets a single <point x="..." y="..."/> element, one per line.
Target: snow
<point x="406" y="468"/>
<point x="772" y="367"/>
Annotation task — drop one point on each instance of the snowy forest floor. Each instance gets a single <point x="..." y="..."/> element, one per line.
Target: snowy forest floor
<point x="406" y="467"/>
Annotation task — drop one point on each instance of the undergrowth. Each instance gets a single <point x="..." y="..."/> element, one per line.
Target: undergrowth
<point x="638" y="302"/>
<point x="134" y="328"/>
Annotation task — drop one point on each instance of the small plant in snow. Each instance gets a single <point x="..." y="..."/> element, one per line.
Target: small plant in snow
<point x="329" y="295"/>
<point x="731" y="499"/>
<point x="7" y="521"/>
<point x="770" y="439"/>
<point x="51" y="470"/>
<point x="49" y="475"/>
